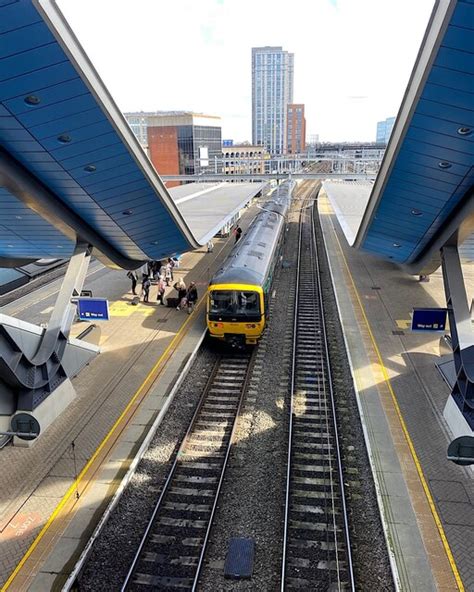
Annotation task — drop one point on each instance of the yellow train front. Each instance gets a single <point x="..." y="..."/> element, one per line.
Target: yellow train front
<point x="236" y="313"/>
<point x="238" y="294"/>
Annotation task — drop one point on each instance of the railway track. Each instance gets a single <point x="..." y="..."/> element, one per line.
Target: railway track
<point x="172" y="549"/>
<point x="316" y="546"/>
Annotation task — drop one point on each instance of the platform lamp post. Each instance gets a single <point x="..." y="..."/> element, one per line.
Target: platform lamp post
<point x="461" y="451"/>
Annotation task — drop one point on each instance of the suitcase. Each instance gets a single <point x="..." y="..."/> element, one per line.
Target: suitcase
<point x="172" y="302"/>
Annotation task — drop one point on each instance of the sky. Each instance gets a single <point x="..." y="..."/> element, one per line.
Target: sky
<point x="353" y="58"/>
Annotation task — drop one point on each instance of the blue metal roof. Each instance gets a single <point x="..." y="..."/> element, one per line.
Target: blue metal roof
<point x="60" y="125"/>
<point x="427" y="174"/>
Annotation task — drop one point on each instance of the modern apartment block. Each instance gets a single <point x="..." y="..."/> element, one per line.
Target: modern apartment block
<point x="384" y="129"/>
<point x="179" y="142"/>
<point x="272" y="90"/>
<point x="296" y="129"/>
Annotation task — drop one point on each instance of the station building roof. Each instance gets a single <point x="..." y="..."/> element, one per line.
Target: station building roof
<point x="422" y="197"/>
<point x="69" y="164"/>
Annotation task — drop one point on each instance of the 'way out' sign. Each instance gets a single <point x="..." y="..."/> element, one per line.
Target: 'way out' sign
<point x="429" y="319"/>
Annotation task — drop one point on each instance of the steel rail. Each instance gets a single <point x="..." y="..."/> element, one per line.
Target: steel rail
<point x="170" y="475"/>
<point x="350" y="568"/>
<point x="290" y="425"/>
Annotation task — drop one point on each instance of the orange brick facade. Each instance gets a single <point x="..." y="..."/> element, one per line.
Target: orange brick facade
<point x="163" y="150"/>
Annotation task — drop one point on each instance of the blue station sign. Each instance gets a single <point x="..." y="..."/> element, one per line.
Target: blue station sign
<point x="429" y="319"/>
<point x="93" y="309"/>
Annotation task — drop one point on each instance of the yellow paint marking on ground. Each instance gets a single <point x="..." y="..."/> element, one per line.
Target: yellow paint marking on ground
<point x="121" y="308"/>
<point x="124" y="308"/>
<point x="403" y="324"/>
<point x="409" y="441"/>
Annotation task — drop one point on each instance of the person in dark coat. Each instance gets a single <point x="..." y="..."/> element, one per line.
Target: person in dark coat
<point x="146" y="283"/>
<point x="191" y="296"/>
<point x="238" y="234"/>
<point x="132" y="275"/>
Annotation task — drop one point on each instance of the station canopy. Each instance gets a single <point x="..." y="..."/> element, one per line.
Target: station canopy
<point x="423" y="196"/>
<point x="70" y="166"/>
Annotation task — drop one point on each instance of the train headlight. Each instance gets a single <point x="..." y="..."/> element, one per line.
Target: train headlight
<point x="250" y="326"/>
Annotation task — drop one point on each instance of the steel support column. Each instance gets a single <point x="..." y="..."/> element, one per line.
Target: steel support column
<point x="462" y="334"/>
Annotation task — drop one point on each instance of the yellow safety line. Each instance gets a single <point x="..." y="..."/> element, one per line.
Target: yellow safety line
<point x="405" y="429"/>
<point x="74" y="487"/>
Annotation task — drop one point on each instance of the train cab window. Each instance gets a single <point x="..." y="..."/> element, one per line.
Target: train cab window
<point x="222" y="302"/>
<point x="247" y="302"/>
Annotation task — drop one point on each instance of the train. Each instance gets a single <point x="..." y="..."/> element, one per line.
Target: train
<point x="239" y="292"/>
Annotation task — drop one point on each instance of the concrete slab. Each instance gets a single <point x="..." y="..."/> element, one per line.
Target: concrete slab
<point x="58" y="560"/>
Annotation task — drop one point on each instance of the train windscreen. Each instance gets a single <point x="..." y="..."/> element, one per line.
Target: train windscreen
<point x="234" y="302"/>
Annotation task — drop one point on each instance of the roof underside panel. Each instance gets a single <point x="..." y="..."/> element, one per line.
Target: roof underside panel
<point x="24" y="234"/>
<point x="432" y="170"/>
<point x="58" y="130"/>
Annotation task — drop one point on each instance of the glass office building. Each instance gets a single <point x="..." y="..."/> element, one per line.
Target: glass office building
<point x="384" y="129"/>
<point x="179" y="142"/>
<point x="272" y="91"/>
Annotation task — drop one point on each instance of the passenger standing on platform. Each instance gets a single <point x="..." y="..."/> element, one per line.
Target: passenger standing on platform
<point x="168" y="273"/>
<point x="171" y="264"/>
<point x="155" y="269"/>
<point x="210" y="246"/>
<point x="191" y="297"/>
<point x="132" y="275"/>
<point x="161" y="290"/>
<point x="180" y="287"/>
<point x="238" y="234"/>
<point x="145" y="271"/>
<point x="146" y="283"/>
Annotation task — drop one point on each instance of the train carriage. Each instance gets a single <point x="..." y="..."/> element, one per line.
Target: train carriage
<point x="238" y="294"/>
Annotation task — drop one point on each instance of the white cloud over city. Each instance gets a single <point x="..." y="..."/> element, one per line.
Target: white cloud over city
<point x="353" y="58"/>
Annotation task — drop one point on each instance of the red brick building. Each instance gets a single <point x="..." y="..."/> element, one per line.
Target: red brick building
<point x="296" y="129"/>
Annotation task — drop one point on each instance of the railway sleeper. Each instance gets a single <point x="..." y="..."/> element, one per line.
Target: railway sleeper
<point x="162" y="583"/>
<point x="164" y="539"/>
<point x="302" y="526"/>
<point x="165" y="559"/>
<point x="327" y="495"/>
<point x="183" y="507"/>
<point x="191" y="492"/>
<point x="181" y="522"/>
